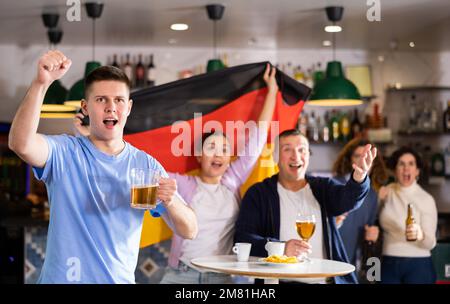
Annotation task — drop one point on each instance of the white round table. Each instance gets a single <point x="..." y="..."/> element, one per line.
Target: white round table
<point x="316" y="268"/>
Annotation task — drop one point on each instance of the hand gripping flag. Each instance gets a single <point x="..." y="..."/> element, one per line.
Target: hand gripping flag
<point x="231" y="94"/>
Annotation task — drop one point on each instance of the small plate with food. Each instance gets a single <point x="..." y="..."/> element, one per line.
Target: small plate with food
<point x="280" y="260"/>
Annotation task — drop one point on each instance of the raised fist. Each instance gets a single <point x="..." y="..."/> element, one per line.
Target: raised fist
<point x="52" y="66"/>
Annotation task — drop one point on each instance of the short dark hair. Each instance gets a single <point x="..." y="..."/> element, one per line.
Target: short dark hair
<point x="290" y="132"/>
<point x="105" y="73"/>
<point x="393" y="160"/>
<point x="293" y="132"/>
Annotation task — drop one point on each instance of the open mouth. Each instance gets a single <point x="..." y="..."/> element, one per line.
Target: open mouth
<point x="110" y="122"/>
<point x="216" y="164"/>
<point x="407" y="177"/>
<point x="296" y="166"/>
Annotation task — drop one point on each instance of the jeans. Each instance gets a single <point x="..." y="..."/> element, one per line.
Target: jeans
<point x="406" y="270"/>
<point x="187" y="275"/>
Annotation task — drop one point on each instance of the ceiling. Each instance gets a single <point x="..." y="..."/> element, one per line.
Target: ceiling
<point x="264" y="24"/>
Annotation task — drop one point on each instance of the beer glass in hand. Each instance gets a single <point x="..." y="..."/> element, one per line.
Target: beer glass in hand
<point x="306" y="224"/>
<point x="144" y="183"/>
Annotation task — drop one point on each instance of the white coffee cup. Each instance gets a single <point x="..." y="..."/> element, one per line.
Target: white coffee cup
<point x="275" y="248"/>
<point x="243" y="251"/>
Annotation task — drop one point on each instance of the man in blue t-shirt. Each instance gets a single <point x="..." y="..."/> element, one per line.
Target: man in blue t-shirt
<point x="93" y="234"/>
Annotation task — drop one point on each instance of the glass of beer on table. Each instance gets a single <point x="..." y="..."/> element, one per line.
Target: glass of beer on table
<point x="144" y="183"/>
<point x="306" y="225"/>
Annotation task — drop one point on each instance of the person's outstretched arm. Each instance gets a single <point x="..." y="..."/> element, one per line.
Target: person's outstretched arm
<point x="271" y="98"/>
<point x="23" y="137"/>
<point x="181" y="216"/>
<point x="344" y="198"/>
<point x="248" y="155"/>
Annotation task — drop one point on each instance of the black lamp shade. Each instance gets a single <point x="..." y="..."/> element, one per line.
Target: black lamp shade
<point x="94" y="9"/>
<point x="334" y="13"/>
<point x="54" y="36"/>
<point x="215" y="11"/>
<point x="50" y="20"/>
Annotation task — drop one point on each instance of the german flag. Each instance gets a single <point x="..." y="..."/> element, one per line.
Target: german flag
<point x="231" y="94"/>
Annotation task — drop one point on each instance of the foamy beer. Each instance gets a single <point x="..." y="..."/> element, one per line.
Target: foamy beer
<point x="305" y="225"/>
<point x="144" y="184"/>
<point x="305" y="229"/>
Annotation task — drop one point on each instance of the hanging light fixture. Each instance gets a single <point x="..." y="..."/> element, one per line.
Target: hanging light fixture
<point x="53" y="106"/>
<point x="94" y="10"/>
<point x="215" y="12"/>
<point x="335" y="89"/>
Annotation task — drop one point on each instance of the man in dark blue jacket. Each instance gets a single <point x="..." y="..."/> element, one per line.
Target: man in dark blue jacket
<point x="269" y="208"/>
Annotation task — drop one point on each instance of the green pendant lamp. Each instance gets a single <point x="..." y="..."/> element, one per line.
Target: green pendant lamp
<point x="76" y="94"/>
<point x="335" y="90"/>
<point x="215" y="12"/>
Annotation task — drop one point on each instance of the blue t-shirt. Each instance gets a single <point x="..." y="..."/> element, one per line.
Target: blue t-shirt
<point x="93" y="234"/>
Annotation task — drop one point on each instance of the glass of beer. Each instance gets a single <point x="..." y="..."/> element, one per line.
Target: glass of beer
<point x="306" y="225"/>
<point x="144" y="183"/>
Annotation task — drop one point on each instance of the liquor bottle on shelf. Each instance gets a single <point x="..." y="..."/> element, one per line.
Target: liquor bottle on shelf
<point x="344" y="128"/>
<point x="313" y="128"/>
<point x="375" y="121"/>
<point x="447" y="118"/>
<point x="127" y="68"/>
<point x="303" y="124"/>
<point x="309" y="78"/>
<point x="378" y="119"/>
<point x="434" y="118"/>
<point x="319" y="125"/>
<point x="299" y="76"/>
<point x="356" y="126"/>
<point x="413" y="113"/>
<point x="114" y="63"/>
<point x="225" y="60"/>
<point x="325" y="129"/>
<point x="447" y="161"/>
<point x="425" y="118"/>
<point x="151" y="72"/>
<point x="290" y="70"/>
<point x="437" y="164"/>
<point x="139" y="73"/>
<point x="334" y="126"/>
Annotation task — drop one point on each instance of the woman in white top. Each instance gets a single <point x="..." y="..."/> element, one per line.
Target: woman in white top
<point x="407" y="261"/>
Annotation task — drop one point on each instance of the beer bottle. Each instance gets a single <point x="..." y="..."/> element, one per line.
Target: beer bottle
<point x="409" y="221"/>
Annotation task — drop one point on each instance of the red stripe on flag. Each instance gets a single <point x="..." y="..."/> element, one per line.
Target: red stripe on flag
<point x="157" y="142"/>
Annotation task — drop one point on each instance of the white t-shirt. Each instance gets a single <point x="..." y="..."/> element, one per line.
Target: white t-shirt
<point x="217" y="210"/>
<point x="392" y="220"/>
<point x="302" y="201"/>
